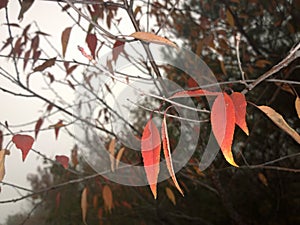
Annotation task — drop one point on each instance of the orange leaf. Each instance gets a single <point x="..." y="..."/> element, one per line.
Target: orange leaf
<point x="240" y="104"/>
<point x="194" y="93"/>
<point x="297" y="106"/>
<point x="150" y="146"/>
<point x="65" y="36"/>
<point x="171" y="195"/>
<point x="38" y="126"/>
<point x="152" y="38"/>
<point x="24" y="143"/>
<point x="84" y="205"/>
<point x="167" y="153"/>
<point x="111" y="149"/>
<point x="117" y="49"/>
<point x="91" y="41"/>
<point x="63" y="160"/>
<point x="280" y="122"/>
<point x="107" y="198"/>
<point x="223" y="123"/>
<point x="119" y="156"/>
<point x="3" y="152"/>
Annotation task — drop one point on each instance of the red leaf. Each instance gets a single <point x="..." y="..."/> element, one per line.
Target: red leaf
<point x="3" y="3"/>
<point x="150" y="145"/>
<point x="240" y="104"/>
<point x="117" y="49"/>
<point x="194" y="93"/>
<point x="91" y="41"/>
<point x="57" y="126"/>
<point x="24" y="143"/>
<point x="63" y="160"/>
<point x="38" y="126"/>
<point x="65" y="36"/>
<point x="167" y="153"/>
<point x="223" y="123"/>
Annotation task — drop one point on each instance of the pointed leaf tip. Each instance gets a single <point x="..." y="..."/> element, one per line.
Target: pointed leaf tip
<point x="24" y="143"/>
<point x="240" y="104"/>
<point x="223" y="124"/>
<point x="150" y="147"/>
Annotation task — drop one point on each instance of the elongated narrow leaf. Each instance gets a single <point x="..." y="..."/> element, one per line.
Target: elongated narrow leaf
<point x="151" y="146"/>
<point x="57" y="127"/>
<point x="46" y="64"/>
<point x="91" y="41"/>
<point x="240" y="104"/>
<point x="152" y="38"/>
<point x="107" y="198"/>
<point x="194" y="93"/>
<point x="24" y="143"/>
<point x="38" y="126"/>
<point x="3" y="153"/>
<point x="119" y="156"/>
<point x="171" y="195"/>
<point x="84" y="205"/>
<point x="280" y="122"/>
<point x="223" y="124"/>
<point x="1" y="139"/>
<point x="167" y="153"/>
<point x="297" y="106"/>
<point x="65" y="36"/>
<point x="111" y="150"/>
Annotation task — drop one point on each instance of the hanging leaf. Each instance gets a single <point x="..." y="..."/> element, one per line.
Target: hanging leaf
<point x="91" y="41"/>
<point x="25" y="5"/>
<point x="84" y="205"/>
<point x="240" y="104"/>
<point x="107" y="198"/>
<point x="119" y="156"/>
<point x="111" y="150"/>
<point x="1" y="139"/>
<point x="223" y="123"/>
<point x="38" y="126"/>
<point x="152" y="38"/>
<point x="24" y="143"/>
<point x="150" y="146"/>
<point x="297" y="106"/>
<point x="117" y="49"/>
<point x="57" y="127"/>
<point x="170" y="195"/>
<point x="45" y="65"/>
<point x="65" y="36"/>
<point x="280" y="122"/>
<point x="3" y="4"/>
<point x="194" y="93"/>
<point x="167" y="153"/>
<point x="63" y="160"/>
<point x="3" y="153"/>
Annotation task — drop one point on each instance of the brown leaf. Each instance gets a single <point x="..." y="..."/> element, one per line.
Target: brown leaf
<point x="38" y="126"/>
<point x="167" y="153"/>
<point x="280" y="122"/>
<point x="25" y="5"/>
<point x="171" y="195"/>
<point x="3" y="153"/>
<point x="1" y="139"/>
<point x="107" y="198"/>
<point x="65" y="36"/>
<point x="91" y="41"/>
<point x="111" y="150"/>
<point x="3" y="3"/>
<point x="229" y="18"/>
<point x="84" y="205"/>
<point x="297" y="106"/>
<point x="262" y="179"/>
<point x="119" y="156"/>
<point x="152" y="38"/>
<point x="74" y="156"/>
<point x="46" y="64"/>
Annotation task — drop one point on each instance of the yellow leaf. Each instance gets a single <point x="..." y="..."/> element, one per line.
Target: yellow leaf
<point x="297" y="106"/>
<point x="152" y="38"/>
<point x="280" y="122"/>
<point x="171" y="195"/>
<point x="3" y="152"/>
<point x="119" y="156"/>
<point x="108" y="198"/>
<point x="111" y="149"/>
<point x="230" y="18"/>
<point x="84" y="205"/>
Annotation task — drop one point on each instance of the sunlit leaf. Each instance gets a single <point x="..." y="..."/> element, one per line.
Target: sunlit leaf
<point x="84" y="205"/>
<point x="119" y="156"/>
<point x="194" y="93"/>
<point x="167" y="153"/>
<point x="65" y="36"/>
<point x="38" y="126"/>
<point x="107" y="198"/>
<point x="170" y="195"/>
<point x="240" y="104"/>
<point x="297" y="106"/>
<point x="45" y="65"/>
<point x="24" y="143"/>
<point x="91" y="41"/>
<point x="152" y="38"/>
<point x="111" y="150"/>
<point x="280" y="122"/>
<point x="63" y="160"/>
<point x="3" y="153"/>
<point x="223" y="124"/>
<point x="151" y="146"/>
